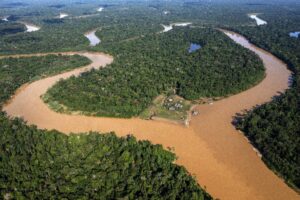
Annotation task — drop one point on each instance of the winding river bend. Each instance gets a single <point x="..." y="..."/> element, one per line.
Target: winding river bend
<point x="211" y="148"/>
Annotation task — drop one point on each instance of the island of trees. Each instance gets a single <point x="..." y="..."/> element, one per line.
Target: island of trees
<point x="47" y="164"/>
<point x="148" y="66"/>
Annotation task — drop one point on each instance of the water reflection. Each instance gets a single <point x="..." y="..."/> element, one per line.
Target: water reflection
<point x="295" y="34"/>
<point x="194" y="47"/>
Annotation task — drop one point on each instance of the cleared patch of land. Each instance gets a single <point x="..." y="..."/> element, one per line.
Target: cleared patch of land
<point x="169" y="107"/>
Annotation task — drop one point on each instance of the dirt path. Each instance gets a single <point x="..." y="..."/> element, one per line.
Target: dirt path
<point x="220" y="157"/>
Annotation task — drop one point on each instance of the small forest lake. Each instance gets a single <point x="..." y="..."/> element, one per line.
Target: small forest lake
<point x="294" y="34"/>
<point x="259" y="21"/>
<point x="92" y="37"/>
<point x="194" y="47"/>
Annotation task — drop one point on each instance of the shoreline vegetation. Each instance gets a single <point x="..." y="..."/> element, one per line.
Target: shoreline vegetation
<point x="192" y="76"/>
<point x="273" y="128"/>
<point x="52" y="155"/>
<point x="32" y="68"/>
<point x="135" y="133"/>
<point x="280" y="118"/>
<point x="107" y="162"/>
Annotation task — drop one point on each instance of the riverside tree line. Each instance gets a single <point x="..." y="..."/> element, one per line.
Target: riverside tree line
<point x="46" y="164"/>
<point x="274" y="128"/>
<point x="148" y="66"/>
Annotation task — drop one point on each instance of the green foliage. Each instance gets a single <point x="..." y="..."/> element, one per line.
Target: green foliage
<point x="44" y="164"/>
<point x="119" y="21"/>
<point x="149" y="66"/>
<point x="11" y="28"/>
<point x="274" y="128"/>
<point x="16" y="71"/>
<point x="36" y="163"/>
<point x="277" y="137"/>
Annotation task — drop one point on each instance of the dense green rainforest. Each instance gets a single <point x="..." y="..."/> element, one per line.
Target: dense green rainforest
<point x="11" y="28"/>
<point x="146" y="67"/>
<point x="273" y="128"/>
<point x="15" y="72"/>
<point x="38" y="163"/>
<point x="47" y="164"/>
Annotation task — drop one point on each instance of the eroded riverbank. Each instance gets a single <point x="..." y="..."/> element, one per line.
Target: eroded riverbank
<point x="210" y="148"/>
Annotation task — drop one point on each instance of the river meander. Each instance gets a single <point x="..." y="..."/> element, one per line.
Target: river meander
<point x="210" y="148"/>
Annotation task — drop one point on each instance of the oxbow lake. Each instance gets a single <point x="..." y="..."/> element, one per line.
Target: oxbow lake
<point x="194" y="47"/>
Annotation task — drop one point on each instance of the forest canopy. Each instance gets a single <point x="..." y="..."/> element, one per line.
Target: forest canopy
<point x="274" y="128"/>
<point x="148" y="66"/>
<point x="38" y="163"/>
<point x="15" y="72"/>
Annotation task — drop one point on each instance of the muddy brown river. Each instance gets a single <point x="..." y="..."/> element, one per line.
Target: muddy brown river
<point x="220" y="157"/>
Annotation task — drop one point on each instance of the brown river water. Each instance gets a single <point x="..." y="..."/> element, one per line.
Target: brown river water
<point x="219" y="156"/>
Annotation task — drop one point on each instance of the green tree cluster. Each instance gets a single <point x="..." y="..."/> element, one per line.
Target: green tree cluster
<point x="11" y="28"/>
<point x="37" y="164"/>
<point x="274" y="128"/>
<point x="148" y="66"/>
<point x="15" y="72"/>
<point x="40" y="164"/>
